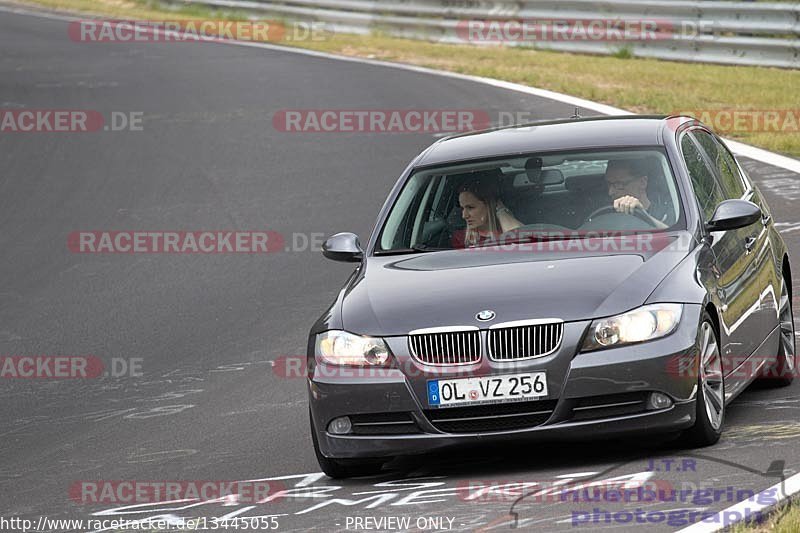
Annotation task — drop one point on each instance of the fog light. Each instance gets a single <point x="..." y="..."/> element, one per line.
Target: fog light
<point x="340" y="426"/>
<point x="658" y="400"/>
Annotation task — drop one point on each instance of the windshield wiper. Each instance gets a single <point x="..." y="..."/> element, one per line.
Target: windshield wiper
<point x="549" y="237"/>
<point x="417" y="248"/>
<point x="527" y="239"/>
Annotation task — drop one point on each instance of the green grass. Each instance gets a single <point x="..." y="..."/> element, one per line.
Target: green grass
<point x="621" y="80"/>
<point x="624" y="52"/>
<point x="786" y="519"/>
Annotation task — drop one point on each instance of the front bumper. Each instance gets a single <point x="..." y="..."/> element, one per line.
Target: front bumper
<point x="607" y="381"/>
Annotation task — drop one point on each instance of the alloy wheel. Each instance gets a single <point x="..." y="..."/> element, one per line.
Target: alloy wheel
<point x="787" y="330"/>
<point x="711" y="376"/>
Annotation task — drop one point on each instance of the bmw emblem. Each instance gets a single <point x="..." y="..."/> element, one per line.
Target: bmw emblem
<point x="485" y="315"/>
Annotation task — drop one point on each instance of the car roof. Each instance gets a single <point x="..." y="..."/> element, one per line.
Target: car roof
<point x="546" y="136"/>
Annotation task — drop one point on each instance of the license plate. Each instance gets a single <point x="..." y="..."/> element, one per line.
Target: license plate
<point x="489" y="389"/>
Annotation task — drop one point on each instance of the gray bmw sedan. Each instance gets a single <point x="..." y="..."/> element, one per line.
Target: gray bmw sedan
<point x="568" y="279"/>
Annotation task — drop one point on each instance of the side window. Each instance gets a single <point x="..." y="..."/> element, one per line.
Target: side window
<point x="397" y="231"/>
<point x="706" y="187"/>
<point x="725" y="165"/>
<point x="729" y="171"/>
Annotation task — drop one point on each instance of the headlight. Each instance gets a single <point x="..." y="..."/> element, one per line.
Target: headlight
<point x="345" y="349"/>
<point x="643" y="324"/>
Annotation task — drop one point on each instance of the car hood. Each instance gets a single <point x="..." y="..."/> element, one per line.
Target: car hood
<point x="393" y="295"/>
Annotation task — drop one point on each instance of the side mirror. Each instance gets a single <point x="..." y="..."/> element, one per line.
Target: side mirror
<point x="343" y="247"/>
<point x="734" y="214"/>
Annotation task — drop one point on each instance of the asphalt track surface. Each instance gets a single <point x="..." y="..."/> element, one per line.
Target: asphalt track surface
<point x="208" y="328"/>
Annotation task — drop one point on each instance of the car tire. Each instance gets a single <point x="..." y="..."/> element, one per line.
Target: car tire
<point x="344" y="468"/>
<point x="781" y="373"/>
<point x="710" y="402"/>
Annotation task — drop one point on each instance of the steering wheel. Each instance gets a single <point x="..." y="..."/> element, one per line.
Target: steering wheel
<point x="638" y="212"/>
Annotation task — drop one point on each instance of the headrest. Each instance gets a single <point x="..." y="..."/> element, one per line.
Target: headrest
<point x="552" y="176"/>
<point x="488" y="181"/>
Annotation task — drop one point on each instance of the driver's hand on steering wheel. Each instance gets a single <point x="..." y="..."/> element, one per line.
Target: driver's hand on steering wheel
<point x="626" y="204"/>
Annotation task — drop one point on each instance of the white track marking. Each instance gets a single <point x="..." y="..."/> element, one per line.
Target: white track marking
<point x="784" y="490"/>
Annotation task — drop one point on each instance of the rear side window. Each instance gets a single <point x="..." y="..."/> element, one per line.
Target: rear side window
<point x="729" y="172"/>
<point x="706" y="187"/>
<point x="725" y="165"/>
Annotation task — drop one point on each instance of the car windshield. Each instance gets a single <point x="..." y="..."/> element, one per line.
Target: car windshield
<point x="545" y="196"/>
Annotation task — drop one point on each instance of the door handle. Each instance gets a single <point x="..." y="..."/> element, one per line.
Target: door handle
<point x="749" y="243"/>
<point x="766" y="218"/>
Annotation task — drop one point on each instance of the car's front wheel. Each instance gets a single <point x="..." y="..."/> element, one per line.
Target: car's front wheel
<point x="344" y="468"/>
<point x="781" y="373"/>
<point x="711" y="389"/>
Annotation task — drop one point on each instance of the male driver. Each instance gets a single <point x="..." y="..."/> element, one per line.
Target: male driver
<point x="627" y="187"/>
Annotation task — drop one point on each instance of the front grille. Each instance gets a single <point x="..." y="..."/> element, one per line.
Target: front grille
<point x="523" y="341"/>
<point x="449" y="347"/>
<point x="383" y="424"/>
<point x="610" y="405"/>
<point x="496" y="417"/>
